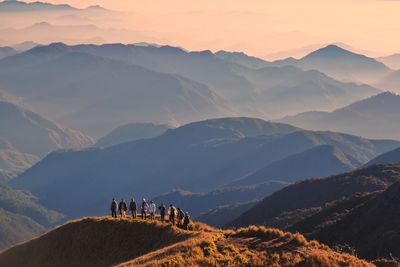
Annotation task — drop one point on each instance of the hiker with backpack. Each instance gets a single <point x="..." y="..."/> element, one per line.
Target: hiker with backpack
<point x="122" y="208"/>
<point x="162" y="211"/>
<point x="186" y="221"/>
<point x="152" y="210"/>
<point x="171" y="212"/>
<point x="113" y="207"/>
<point x="145" y="207"/>
<point x="180" y="216"/>
<point x="133" y="208"/>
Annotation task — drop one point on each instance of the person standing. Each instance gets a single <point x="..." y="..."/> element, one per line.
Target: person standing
<point x="152" y="210"/>
<point x="145" y="207"/>
<point x="180" y="216"/>
<point x="171" y="214"/>
<point x="186" y="221"/>
<point x="133" y="208"/>
<point x="162" y="211"/>
<point x="122" y="208"/>
<point x="114" y="206"/>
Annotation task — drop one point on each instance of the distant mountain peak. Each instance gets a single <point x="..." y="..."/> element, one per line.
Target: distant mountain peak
<point x="331" y="50"/>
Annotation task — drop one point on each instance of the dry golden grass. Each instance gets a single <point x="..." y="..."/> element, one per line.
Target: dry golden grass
<point x="123" y="242"/>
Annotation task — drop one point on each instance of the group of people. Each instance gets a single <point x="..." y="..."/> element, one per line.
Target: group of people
<point x="172" y="214"/>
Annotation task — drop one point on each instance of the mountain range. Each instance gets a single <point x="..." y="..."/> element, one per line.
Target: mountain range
<point x="189" y="86"/>
<point x="56" y="82"/>
<point x="26" y="7"/>
<point x="198" y="157"/>
<point x="374" y="117"/>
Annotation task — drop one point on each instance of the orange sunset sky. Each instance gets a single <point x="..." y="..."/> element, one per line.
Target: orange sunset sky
<point x="263" y="27"/>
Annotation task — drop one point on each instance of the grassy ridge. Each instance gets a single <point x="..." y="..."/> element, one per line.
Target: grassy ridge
<point x="104" y="241"/>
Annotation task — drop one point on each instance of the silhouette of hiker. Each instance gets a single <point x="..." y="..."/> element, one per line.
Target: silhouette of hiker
<point x="133" y="208"/>
<point x="180" y="216"/>
<point x="122" y="208"/>
<point x="114" y="206"/>
<point x="162" y="212"/>
<point x="171" y="214"/>
<point x="145" y="207"/>
<point x="186" y="221"/>
<point x="152" y="210"/>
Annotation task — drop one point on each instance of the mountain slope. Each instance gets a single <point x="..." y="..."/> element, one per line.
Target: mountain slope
<point x="300" y="200"/>
<point x="198" y="157"/>
<point x="375" y="117"/>
<point x="316" y="162"/>
<point x="198" y="203"/>
<point x="13" y="161"/>
<point x="16" y="228"/>
<point x="132" y="132"/>
<point x="221" y="215"/>
<point x="155" y="244"/>
<point x="368" y="223"/>
<point x="389" y="157"/>
<point x="30" y="133"/>
<point x="22" y="217"/>
<point x="341" y="64"/>
<point x="392" y="61"/>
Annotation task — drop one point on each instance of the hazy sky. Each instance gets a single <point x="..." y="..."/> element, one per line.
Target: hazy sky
<point x="261" y="27"/>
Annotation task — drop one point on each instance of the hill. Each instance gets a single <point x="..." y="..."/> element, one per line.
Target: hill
<point x="30" y="133"/>
<point x="22" y="217"/>
<point x="198" y="157"/>
<point x="393" y="61"/>
<point x="7" y="51"/>
<point x="16" y="228"/>
<point x="389" y="157"/>
<point x="318" y="161"/>
<point x="300" y="200"/>
<point x="132" y="132"/>
<point x="374" y="117"/>
<point x="390" y="82"/>
<point x="341" y="64"/>
<point x="368" y="223"/>
<point x="86" y="242"/>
